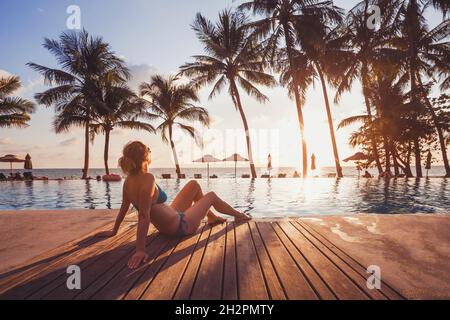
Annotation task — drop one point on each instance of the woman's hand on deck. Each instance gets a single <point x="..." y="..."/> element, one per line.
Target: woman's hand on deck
<point x="137" y="259"/>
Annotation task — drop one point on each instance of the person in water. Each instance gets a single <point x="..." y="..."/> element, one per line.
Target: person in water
<point x="181" y="218"/>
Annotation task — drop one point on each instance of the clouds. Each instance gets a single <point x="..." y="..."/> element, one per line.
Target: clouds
<point x="69" y="142"/>
<point x="140" y="73"/>
<point x="6" y="141"/>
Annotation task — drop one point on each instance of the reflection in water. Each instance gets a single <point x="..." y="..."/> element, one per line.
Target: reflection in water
<point x="260" y="197"/>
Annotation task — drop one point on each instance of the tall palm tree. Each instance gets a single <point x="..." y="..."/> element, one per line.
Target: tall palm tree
<point x="320" y="50"/>
<point x="83" y="60"/>
<point x="117" y="107"/>
<point x="364" y="46"/>
<point x="424" y="53"/>
<point x="14" y="111"/>
<point x="172" y="103"/>
<point x="278" y="24"/>
<point x="234" y="57"/>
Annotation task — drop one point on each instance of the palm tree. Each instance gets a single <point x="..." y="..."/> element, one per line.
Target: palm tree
<point x="320" y="51"/>
<point x="171" y="103"/>
<point x="117" y="107"/>
<point x="280" y="17"/>
<point x="424" y="53"/>
<point x="14" y="111"/>
<point x="364" y="46"/>
<point x="83" y="60"/>
<point x="234" y="57"/>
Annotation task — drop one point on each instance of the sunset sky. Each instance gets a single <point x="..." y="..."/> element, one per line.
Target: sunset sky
<point x="155" y="37"/>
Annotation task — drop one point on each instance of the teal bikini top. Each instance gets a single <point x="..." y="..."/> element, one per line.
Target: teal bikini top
<point x="162" y="196"/>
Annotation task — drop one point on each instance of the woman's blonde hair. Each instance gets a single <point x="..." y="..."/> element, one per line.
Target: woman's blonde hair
<point x="135" y="155"/>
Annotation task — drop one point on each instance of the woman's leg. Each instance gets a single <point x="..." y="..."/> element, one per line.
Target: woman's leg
<point x="191" y="193"/>
<point x="195" y="214"/>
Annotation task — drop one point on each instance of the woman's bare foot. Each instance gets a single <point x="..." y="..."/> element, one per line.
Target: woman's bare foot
<point x="213" y="219"/>
<point x="242" y="217"/>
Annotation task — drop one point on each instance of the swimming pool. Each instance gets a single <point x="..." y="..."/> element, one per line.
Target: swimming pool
<point x="261" y="198"/>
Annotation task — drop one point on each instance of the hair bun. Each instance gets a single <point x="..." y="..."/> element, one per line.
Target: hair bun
<point x="127" y="165"/>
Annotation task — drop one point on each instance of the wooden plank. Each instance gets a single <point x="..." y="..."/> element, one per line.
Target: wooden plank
<point x="58" y="268"/>
<point x="276" y="291"/>
<point x="355" y="269"/>
<point x="150" y="273"/>
<point x="184" y="289"/>
<point x="90" y="269"/>
<point x="341" y="264"/>
<point x="329" y="281"/>
<point x="44" y="262"/>
<point x="230" y="286"/>
<point x="293" y="280"/>
<point x="101" y="279"/>
<point x="164" y="285"/>
<point x="251" y="285"/>
<point x="208" y="284"/>
<point x="122" y="282"/>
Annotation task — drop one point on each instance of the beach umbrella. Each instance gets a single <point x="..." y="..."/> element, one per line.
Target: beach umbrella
<point x="269" y="163"/>
<point x="428" y="165"/>
<point x="28" y="164"/>
<point x="207" y="159"/>
<point x="357" y="157"/>
<point x="313" y="162"/>
<point x="10" y="158"/>
<point x="235" y="158"/>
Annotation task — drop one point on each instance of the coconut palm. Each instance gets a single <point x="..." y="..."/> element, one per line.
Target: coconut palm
<point x="234" y="57"/>
<point x="319" y="54"/>
<point x="14" y="111"/>
<point x="117" y="107"/>
<point x="278" y="24"/>
<point x="83" y="60"/>
<point x="173" y="103"/>
<point x="424" y="53"/>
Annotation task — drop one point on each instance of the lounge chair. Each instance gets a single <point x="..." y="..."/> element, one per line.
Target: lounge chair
<point x="265" y="176"/>
<point x="197" y="176"/>
<point x="181" y="176"/>
<point x="213" y="177"/>
<point x="166" y="176"/>
<point x="282" y="175"/>
<point x="245" y="176"/>
<point x="28" y="176"/>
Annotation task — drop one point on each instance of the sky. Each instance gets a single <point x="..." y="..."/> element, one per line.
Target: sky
<point x="154" y="36"/>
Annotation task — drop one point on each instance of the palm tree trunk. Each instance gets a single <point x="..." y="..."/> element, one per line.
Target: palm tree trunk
<point x="387" y="152"/>
<point x="106" y="151"/>
<point x="330" y="123"/>
<point x="237" y="99"/>
<point x="86" y="151"/>
<point x="438" y="129"/>
<point x="174" y="152"/>
<point x="376" y="155"/>
<point x="297" y="102"/>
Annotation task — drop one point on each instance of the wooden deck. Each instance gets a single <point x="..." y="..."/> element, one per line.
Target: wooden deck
<point x="257" y="260"/>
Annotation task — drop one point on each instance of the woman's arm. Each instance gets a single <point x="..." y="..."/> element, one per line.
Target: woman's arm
<point x="120" y="216"/>
<point x="145" y="206"/>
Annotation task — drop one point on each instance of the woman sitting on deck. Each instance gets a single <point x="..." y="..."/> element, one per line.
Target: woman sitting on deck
<point x="181" y="218"/>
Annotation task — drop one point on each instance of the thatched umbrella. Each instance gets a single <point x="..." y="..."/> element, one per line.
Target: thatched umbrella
<point x="207" y="159"/>
<point x="10" y="158"/>
<point x="359" y="156"/>
<point x="235" y="158"/>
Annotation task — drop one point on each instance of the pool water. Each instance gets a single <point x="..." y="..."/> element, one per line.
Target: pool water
<point x="261" y="198"/>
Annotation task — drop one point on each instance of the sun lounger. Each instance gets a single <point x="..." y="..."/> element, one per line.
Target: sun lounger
<point x="265" y="176"/>
<point x="282" y="175"/>
<point x="182" y="176"/>
<point x="197" y="176"/>
<point x="166" y="176"/>
<point x="213" y="177"/>
<point x="245" y="176"/>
